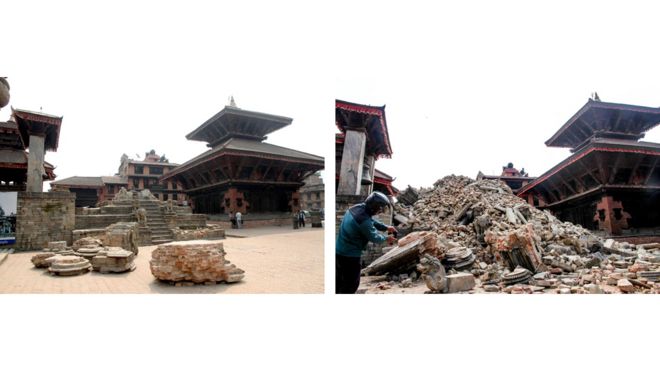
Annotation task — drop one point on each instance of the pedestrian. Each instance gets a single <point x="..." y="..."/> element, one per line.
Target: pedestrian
<point x="301" y="218"/>
<point x="356" y="230"/>
<point x="239" y="220"/>
<point x="232" y="218"/>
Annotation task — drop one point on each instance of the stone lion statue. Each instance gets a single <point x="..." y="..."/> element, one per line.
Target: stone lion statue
<point x="141" y="215"/>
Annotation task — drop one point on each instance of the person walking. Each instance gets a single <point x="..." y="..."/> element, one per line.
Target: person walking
<point x="239" y="220"/>
<point x="301" y="218"/>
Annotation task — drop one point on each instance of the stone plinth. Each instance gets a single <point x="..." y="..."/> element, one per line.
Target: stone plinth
<point x="194" y="261"/>
<point x="87" y="242"/>
<point x="114" y="260"/>
<point x="68" y="265"/>
<point x="44" y="217"/>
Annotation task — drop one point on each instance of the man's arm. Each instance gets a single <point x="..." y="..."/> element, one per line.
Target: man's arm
<point x="368" y="229"/>
<point x="379" y="226"/>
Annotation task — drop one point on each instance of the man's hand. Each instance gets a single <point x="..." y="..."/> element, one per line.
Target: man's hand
<point x="393" y="231"/>
<point x="391" y="240"/>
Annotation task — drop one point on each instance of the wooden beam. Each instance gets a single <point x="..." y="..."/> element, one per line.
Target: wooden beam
<point x="634" y="169"/>
<point x="648" y="176"/>
<point x="565" y="183"/>
<point x="602" y="169"/>
<point x="617" y="121"/>
<point x="615" y="168"/>
<point x="549" y="192"/>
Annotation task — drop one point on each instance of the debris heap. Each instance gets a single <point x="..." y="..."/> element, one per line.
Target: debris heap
<point x="193" y="261"/>
<point x="482" y="228"/>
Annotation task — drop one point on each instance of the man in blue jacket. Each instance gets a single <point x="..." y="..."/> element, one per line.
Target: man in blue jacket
<point x="356" y="230"/>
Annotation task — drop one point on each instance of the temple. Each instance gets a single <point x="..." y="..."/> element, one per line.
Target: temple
<point x="242" y="173"/>
<point x="513" y="177"/>
<point x="611" y="182"/>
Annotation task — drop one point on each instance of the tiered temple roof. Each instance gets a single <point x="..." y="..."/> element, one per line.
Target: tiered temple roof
<point x="368" y="118"/>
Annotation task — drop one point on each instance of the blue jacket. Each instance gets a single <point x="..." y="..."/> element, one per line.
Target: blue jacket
<point x="356" y="230"/>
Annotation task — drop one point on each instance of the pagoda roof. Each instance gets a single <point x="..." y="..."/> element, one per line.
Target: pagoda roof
<point x="233" y="122"/>
<point x="371" y="119"/>
<point x="604" y="147"/>
<point x="38" y="123"/>
<point x="382" y="175"/>
<point x="603" y="119"/>
<point x="247" y="147"/>
<point x="10" y="137"/>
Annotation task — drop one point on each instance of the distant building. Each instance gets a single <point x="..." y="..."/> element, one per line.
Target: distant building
<point x="511" y="176"/>
<point x="92" y="191"/>
<point x="312" y="194"/>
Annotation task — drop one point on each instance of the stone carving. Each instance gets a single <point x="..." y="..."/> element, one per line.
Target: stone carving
<point x="124" y="235"/>
<point x="123" y="195"/>
<point x="145" y="194"/>
<point x="194" y="261"/>
<point x="114" y="260"/>
<point x="68" y="265"/>
<point x="141" y="215"/>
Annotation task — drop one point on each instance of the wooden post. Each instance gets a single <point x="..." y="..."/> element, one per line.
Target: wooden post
<point x="351" y="162"/>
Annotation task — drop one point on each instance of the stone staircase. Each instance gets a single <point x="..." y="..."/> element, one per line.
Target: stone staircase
<point x="160" y="233"/>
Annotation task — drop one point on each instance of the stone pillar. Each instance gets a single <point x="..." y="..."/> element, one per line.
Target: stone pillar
<point x="35" y="172"/>
<point x="352" y="159"/>
<point x="610" y="216"/>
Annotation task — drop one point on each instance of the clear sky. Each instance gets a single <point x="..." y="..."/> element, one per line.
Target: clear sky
<point x="475" y="85"/>
<point x="468" y="86"/>
<point x="129" y="77"/>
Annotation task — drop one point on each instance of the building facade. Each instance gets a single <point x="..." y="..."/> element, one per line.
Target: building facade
<point x="135" y="175"/>
<point x="312" y="194"/>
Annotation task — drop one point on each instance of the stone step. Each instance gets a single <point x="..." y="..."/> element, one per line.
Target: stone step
<point x="160" y="241"/>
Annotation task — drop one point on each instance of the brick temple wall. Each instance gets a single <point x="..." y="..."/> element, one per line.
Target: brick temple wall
<point x="44" y="217"/>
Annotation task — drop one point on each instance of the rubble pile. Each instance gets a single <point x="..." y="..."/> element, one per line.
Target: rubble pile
<point x="113" y="260"/>
<point x="193" y="261"/>
<point x="507" y="245"/>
